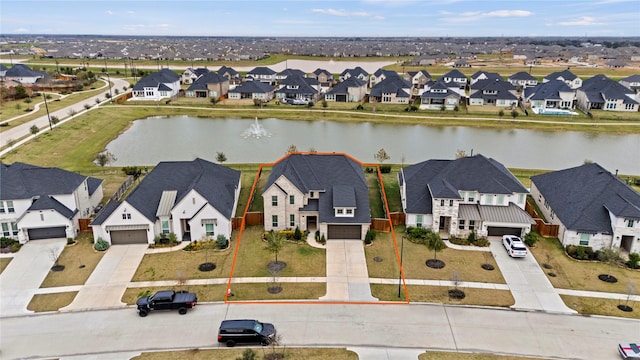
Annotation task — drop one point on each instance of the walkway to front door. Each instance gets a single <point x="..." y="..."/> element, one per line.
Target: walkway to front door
<point x="347" y="275"/>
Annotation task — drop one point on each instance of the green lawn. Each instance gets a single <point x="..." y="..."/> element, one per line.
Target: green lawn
<point x="440" y="294"/>
<point x="79" y="260"/>
<point x="4" y="262"/>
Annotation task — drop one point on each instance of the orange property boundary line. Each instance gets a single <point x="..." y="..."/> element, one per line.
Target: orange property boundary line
<point x="243" y="224"/>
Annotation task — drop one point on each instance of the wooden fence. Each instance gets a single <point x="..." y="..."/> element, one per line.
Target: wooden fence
<point x="252" y="218"/>
<point x="541" y="227"/>
<point x="83" y="224"/>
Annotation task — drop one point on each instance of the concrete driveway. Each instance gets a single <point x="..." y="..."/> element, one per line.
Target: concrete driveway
<point x="25" y="273"/>
<point x="347" y="274"/>
<point x="528" y="284"/>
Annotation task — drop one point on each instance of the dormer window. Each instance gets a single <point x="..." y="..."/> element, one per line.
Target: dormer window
<point x="126" y="216"/>
<point x="344" y="212"/>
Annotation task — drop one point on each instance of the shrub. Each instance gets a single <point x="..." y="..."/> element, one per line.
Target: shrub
<point x="222" y="242"/>
<point x="370" y="236"/>
<point x="297" y="234"/>
<point x="101" y="245"/>
<point x="323" y="240"/>
<point x="360" y="107"/>
<point x="385" y="169"/>
<point x="70" y="241"/>
<point x="317" y="236"/>
<point x="581" y="252"/>
<point x="482" y="242"/>
<point x="458" y="241"/>
<point x="369" y="170"/>
<point x="472" y="237"/>
<point x="531" y="238"/>
<point x="9" y="245"/>
<point x="634" y="261"/>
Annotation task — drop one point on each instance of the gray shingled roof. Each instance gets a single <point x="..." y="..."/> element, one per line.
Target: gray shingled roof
<point x="157" y="79"/>
<point x="547" y="91"/>
<point x="391" y="85"/>
<point x="261" y="70"/>
<point x="522" y="76"/>
<point x="343" y="87"/>
<point x="47" y="203"/>
<point x="21" y="70"/>
<point x="355" y="72"/>
<point x="582" y="197"/>
<point x="454" y="74"/>
<point x="566" y="75"/>
<point x="326" y="174"/>
<point x="208" y="78"/>
<point x="24" y="181"/>
<point x="600" y="88"/>
<point x="302" y="87"/>
<point x="444" y="178"/>
<point x="224" y="70"/>
<point x="251" y="87"/>
<point x="216" y="183"/>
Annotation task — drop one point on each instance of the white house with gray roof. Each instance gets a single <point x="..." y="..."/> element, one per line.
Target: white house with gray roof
<point x="591" y="206"/>
<point x="195" y="200"/>
<point x="43" y="203"/>
<point x="324" y="192"/>
<point x="456" y="197"/>
<point x="164" y="84"/>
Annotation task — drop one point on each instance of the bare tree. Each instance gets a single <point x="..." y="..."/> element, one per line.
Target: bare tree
<point x="105" y="158"/>
<point x="292" y="148"/>
<point x="181" y="279"/>
<point x="381" y="156"/>
<point x="460" y="154"/>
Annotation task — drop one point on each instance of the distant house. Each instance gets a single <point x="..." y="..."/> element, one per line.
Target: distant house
<point x="470" y="194"/>
<point x="45" y="202"/>
<point x="522" y="79"/>
<point x="350" y="90"/>
<point x="296" y="87"/>
<point x="484" y="75"/>
<point x="437" y="94"/>
<point x="592" y="207"/>
<point x="455" y="77"/>
<point x="357" y="72"/>
<point x="318" y="192"/>
<point x="391" y="90"/>
<point x="195" y="200"/>
<point x="380" y="75"/>
<point x="190" y="75"/>
<point x="24" y="75"/>
<point x="209" y="85"/>
<point x="418" y="78"/>
<point x="567" y="76"/>
<point x="289" y="72"/>
<point x="555" y="94"/>
<point x="632" y="83"/>
<point x="461" y="63"/>
<point x="3" y="71"/>
<point x="232" y="75"/>
<point x="600" y="92"/>
<point x="323" y="76"/>
<point x="252" y="90"/>
<point x="492" y="92"/>
<point x="164" y="84"/>
<point x="262" y="74"/>
<point x="615" y="64"/>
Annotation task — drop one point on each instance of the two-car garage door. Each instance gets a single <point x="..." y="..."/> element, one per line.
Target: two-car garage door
<point x="123" y="237"/>
<point x="344" y="232"/>
<point x="47" y="233"/>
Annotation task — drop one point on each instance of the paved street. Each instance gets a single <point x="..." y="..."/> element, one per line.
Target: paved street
<point x="415" y="326"/>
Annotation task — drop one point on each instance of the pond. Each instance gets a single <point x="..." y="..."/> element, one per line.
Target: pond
<point x="154" y="139"/>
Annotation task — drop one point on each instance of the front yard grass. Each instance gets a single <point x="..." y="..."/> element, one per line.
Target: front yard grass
<point x="598" y="306"/>
<point x="233" y="354"/>
<point x="444" y="355"/>
<point x="440" y="294"/>
<point x="79" y="261"/>
<point x="205" y="293"/>
<point x="581" y="275"/>
<point x="4" y="262"/>
<point x="466" y="264"/>
<point x="51" y="302"/>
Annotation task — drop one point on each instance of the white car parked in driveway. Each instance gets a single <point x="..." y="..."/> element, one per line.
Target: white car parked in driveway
<point x="514" y="246"/>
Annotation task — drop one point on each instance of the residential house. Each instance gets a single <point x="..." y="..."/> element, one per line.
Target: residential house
<point x="190" y="75"/>
<point x="232" y="75"/>
<point x="470" y="194"/>
<point x="567" y="76"/>
<point x="615" y="64"/>
<point x="350" y="90"/>
<point x="418" y="78"/>
<point x="323" y="76"/>
<point x="45" y="202"/>
<point x="591" y="206"/>
<point x="457" y="78"/>
<point x="461" y="63"/>
<point x="555" y="94"/>
<point x="392" y="90"/>
<point x="209" y="85"/>
<point x="296" y="87"/>
<point x="437" y="95"/>
<point x="3" y="71"/>
<point x="357" y="72"/>
<point x="380" y="75"/>
<point x="164" y="84"/>
<point x="600" y="92"/>
<point x="252" y="90"/>
<point x="262" y="74"/>
<point x="632" y="83"/>
<point x="484" y="75"/>
<point x="523" y="80"/>
<point x="323" y="192"/>
<point x="289" y="72"/>
<point x="24" y="75"/>
<point x="492" y="92"/>
<point x="195" y="200"/>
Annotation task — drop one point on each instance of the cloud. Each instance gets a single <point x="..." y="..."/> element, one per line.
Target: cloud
<point x="341" y="12"/>
<point x="477" y="15"/>
<point x="509" y="13"/>
<point x="21" y="31"/>
<point x="583" y="21"/>
<point x="109" y="12"/>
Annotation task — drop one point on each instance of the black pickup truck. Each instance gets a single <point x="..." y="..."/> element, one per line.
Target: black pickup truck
<point x="166" y="300"/>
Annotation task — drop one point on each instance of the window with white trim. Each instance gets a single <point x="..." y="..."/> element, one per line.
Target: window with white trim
<point x="461" y="224"/>
<point x="292" y="199"/>
<point x="10" y="208"/>
<point x="630" y="222"/>
<point x="209" y="229"/>
<point x="584" y="239"/>
<point x="419" y="221"/>
<point x="126" y="216"/>
<point x="274" y="220"/>
<point x="165" y="226"/>
<point x="274" y="200"/>
<point x="292" y="220"/>
<point x="472" y="225"/>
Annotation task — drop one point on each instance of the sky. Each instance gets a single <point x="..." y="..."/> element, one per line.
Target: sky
<point x="346" y="18"/>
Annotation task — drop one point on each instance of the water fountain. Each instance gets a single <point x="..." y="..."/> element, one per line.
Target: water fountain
<point x="256" y="130"/>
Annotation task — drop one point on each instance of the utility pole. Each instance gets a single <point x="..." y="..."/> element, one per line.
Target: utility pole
<point x="109" y="80"/>
<point x="47" y="107"/>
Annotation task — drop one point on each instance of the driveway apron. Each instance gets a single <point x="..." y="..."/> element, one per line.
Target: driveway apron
<point x="347" y="275"/>
<point x="109" y="280"/>
<point x="24" y="274"/>
<point x="529" y="285"/>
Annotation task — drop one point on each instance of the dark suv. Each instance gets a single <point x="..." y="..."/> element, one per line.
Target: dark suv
<point x="232" y="332"/>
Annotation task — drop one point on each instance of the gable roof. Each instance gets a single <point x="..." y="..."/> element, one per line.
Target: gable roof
<point x="438" y="85"/>
<point x="261" y="70"/>
<point x="412" y="74"/>
<point x="564" y="75"/>
<point x="391" y="85"/>
<point x="216" y="183"/>
<point x="208" y="78"/>
<point x="343" y="87"/>
<point x="522" y="75"/>
<point x="326" y="173"/>
<point x="49" y="203"/>
<point x="600" y="88"/>
<point x="225" y="70"/>
<point x="24" y="181"/>
<point x="547" y="91"/>
<point x="454" y="74"/>
<point x="198" y="71"/>
<point x="444" y="178"/>
<point x="319" y="71"/>
<point x="488" y="75"/>
<point x="252" y="87"/>
<point x="21" y="70"/>
<point x="157" y="80"/>
<point x="355" y="72"/>
<point x="582" y="197"/>
<point x="301" y="86"/>
<point x="292" y="72"/>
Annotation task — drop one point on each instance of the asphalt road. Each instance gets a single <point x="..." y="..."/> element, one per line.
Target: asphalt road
<point x="418" y="326"/>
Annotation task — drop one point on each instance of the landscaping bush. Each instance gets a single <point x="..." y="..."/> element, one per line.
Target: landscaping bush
<point x="369" y="170"/>
<point x="531" y="238"/>
<point x="297" y="234"/>
<point x="580" y="252"/>
<point x="482" y="242"/>
<point x="9" y="245"/>
<point x="458" y="241"/>
<point x="101" y="245"/>
<point x="634" y="261"/>
<point x="323" y="240"/>
<point x="222" y="242"/>
<point x="417" y="235"/>
<point x="472" y="237"/>
<point x="385" y="169"/>
<point x="370" y="236"/>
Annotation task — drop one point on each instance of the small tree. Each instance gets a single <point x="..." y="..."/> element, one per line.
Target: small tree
<point x="221" y="157"/>
<point x="292" y="148"/>
<point x="514" y="113"/>
<point x="275" y="243"/>
<point x="381" y="156"/>
<point x="434" y="242"/>
<point x="34" y="129"/>
<point x="181" y="279"/>
<point x="248" y="354"/>
<point x="297" y="234"/>
<point x="501" y="113"/>
<point x="460" y="154"/>
<point x="28" y="101"/>
<point x="221" y="241"/>
<point x="54" y="119"/>
<point x="214" y="100"/>
<point x="609" y="256"/>
<point x="105" y="158"/>
<point x="324" y="103"/>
